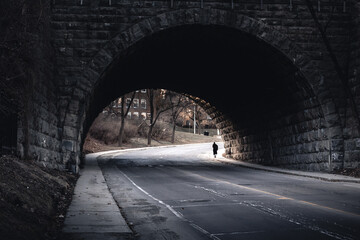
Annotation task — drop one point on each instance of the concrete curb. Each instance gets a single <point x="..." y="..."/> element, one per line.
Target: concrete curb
<point x="317" y="175"/>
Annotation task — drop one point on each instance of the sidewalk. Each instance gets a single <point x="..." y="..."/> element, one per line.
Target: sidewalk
<point x="318" y="175"/>
<point x="93" y="213"/>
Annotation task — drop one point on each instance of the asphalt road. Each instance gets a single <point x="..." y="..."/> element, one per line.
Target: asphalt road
<point x="182" y="192"/>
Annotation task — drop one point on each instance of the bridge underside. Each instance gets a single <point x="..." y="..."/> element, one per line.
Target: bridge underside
<point x="266" y="111"/>
<point x="274" y="94"/>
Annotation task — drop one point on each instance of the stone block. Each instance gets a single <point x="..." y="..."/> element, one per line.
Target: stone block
<point x="68" y="145"/>
<point x="70" y="132"/>
<point x="337" y="145"/>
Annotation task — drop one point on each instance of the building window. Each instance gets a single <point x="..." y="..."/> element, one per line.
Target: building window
<point x="128" y="101"/>
<point x="119" y="102"/>
<point x="143" y="103"/>
<point x="129" y="115"/>
<point x="136" y="115"/>
<point x="143" y="115"/>
<point x="136" y="103"/>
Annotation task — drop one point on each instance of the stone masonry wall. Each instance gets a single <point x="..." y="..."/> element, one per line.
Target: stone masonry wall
<point x="299" y="140"/>
<point x="38" y="127"/>
<point x="351" y="130"/>
<point x="80" y="29"/>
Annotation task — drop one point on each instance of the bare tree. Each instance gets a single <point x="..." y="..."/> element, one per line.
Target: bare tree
<point x="158" y="105"/>
<point x="123" y="114"/>
<point x="178" y="103"/>
<point x="196" y="114"/>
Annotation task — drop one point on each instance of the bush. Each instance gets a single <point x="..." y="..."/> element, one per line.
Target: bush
<point x="106" y="129"/>
<point x="161" y="131"/>
<point x="130" y="131"/>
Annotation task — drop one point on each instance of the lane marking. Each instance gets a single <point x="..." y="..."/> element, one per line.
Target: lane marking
<point x="176" y="213"/>
<point x="276" y="195"/>
<point x="297" y="221"/>
<point x="207" y="205"/>
<point x="211" y="190"/>
<point x="354" y="186"/>
<point x="237" y="233"/>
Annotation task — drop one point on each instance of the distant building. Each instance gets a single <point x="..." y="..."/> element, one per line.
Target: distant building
<point x="139" y="108"/>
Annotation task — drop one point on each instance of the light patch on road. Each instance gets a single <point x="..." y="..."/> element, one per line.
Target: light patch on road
<point x="354" y="185"/>
<point x="211" y="191"/>
<point x="276" y="195"/>
<point x="297" y="221"/>
<point x="237" y="233"/>
<point x="176" y="213"/>
<point x="194" y="200"/>
<point x="207" y="205"/>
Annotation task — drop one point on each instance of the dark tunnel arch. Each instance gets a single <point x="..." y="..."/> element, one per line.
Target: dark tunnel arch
<point x="268" y="119"/>
<point x="249" y="82"/>
<point x="197" y="60"/>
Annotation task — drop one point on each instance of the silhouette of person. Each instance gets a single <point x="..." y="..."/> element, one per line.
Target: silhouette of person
<point x="215" y="148"/>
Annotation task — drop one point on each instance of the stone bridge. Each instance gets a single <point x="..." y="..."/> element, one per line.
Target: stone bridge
<point x="278" y="76"/>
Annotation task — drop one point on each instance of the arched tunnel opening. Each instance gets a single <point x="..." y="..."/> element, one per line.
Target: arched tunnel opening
<point x="151" y="117"/>
<point x="262" y="104"/>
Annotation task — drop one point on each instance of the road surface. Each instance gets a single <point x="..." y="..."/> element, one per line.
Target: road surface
<point x="182" y="192"/>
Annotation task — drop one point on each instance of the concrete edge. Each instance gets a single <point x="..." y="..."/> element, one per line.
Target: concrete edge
<point x="98" y="154"/>
<point x="315" y="175"/>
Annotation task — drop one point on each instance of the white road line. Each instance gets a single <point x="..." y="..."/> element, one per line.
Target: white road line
<point x="211" y="191"/>
<point x="208" y="205"/>
<point x="355" y="185"/>
<point x="176" y="213"/>
<point x="237" y="233"/>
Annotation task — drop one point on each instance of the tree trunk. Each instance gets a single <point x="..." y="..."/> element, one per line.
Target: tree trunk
<point x="121" y="132"/>
<point x="149" y="134"/>
<point x="173" y="133"/>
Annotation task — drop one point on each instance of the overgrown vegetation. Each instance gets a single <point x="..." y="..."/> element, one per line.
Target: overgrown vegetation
<point x="161" y="111"/>
<point x="106" y="129"/>
<point x="33" y="200"/>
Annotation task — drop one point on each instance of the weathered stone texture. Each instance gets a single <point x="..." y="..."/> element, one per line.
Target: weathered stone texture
<point x="317" y="132"/>
<point x="38" y="130"/>
<point x="351" y="125"/>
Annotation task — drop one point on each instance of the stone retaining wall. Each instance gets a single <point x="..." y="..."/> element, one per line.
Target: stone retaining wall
<point x="318" y="131"/>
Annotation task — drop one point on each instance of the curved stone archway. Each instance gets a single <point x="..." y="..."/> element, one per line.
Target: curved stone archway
<point x="300" y="139"/>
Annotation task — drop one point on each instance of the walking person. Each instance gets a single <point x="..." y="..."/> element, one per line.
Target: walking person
<point x="215" y="148"/>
